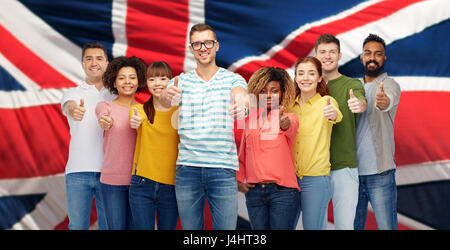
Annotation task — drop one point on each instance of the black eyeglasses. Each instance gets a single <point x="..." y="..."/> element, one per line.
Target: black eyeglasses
<point x="208" y="44"/>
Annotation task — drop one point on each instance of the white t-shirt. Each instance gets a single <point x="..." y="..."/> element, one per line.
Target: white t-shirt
<point x="86" y="136"/>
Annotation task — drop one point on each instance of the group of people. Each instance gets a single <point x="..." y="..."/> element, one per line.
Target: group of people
<point x="305" y="141"/>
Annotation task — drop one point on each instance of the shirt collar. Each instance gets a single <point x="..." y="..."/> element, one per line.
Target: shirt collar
<point x="315" y="98"/>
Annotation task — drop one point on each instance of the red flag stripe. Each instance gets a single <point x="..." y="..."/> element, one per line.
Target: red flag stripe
<point x="37" y="140"/>
<point x="421" y="126"/>
<point x="166" y="22"/>
<point x="304" y="42"/>
<point x="34" y="67"/>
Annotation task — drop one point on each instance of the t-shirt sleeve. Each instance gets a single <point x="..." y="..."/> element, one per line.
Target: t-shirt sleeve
<point x="68" y="95"/>
<point x="102" y="109"/>
<point x="239" y="81"/>
<point x="358" y="90"/>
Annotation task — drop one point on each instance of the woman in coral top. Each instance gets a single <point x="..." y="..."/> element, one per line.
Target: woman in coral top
<point x="266" y="170"/>
<point x="317" y="112"/>
<point x="124" y="77"/>
<point x="152" y="189"/>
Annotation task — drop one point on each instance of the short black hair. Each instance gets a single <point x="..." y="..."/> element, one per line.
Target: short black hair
<point x="110" y="75"/>
<point x="94" y="45"/>
<point x="327" y="38"/>
<point x="374" y="38"/>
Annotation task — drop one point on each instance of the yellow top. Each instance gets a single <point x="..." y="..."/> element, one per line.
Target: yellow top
<point x="156" y="149"/>
<point x="312" y="145"/>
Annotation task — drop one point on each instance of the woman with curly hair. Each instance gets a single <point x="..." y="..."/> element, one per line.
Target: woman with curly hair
<point x="317" y="112"/>
<point x="123" y="77"/>
<point x="266" y="170"/>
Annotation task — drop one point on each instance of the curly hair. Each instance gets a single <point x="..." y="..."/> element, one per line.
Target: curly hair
<point x="322" y="87"/>
<point x="264" y="75"/>
<point x="110" y="75"/>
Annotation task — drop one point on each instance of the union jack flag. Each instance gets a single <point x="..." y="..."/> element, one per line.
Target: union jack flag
<point x="40" y="45"/>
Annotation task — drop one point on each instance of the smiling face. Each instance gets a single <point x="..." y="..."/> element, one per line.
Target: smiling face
<point x="204" y="56"/>
<point x="373" y="58"/>
<point x="126" y="81"/>
<point x="156" y="84"/>
<point x="329" y="55"/>
<point x="307" y="77"/>
<point x="94" y="63"/>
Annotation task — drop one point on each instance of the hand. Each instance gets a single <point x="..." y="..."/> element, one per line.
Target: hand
<point x="329" y="112"/>
<point x="382" y="101"/>
<point x="354" y="104"/>
<point x="77" y="111"/>
<point x="244" y="187"/>
<point x="285" y="122"/>
<point x="237" y="109"/>
<point x="106" y="121"/>
<point x="174" y="93"/>
<point x="135" y="120"/>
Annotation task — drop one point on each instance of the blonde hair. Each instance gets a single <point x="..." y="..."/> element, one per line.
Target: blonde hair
<point x="264" y="75"/>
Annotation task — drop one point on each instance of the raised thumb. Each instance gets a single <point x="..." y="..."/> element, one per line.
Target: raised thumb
<point x="82" y="102"/>
<point x="351" y="94"/>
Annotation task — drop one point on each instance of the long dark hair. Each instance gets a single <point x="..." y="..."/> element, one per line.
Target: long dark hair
<point x="154" y="70"/>
<point x="322" y="87"/>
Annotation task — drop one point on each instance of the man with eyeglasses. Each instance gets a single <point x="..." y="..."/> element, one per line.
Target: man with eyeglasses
<point x="209" y="97"/>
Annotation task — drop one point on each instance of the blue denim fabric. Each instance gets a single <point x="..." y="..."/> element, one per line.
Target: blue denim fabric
<point x="344" y="193"/>
<point x="315" y="195"/>
<point x="381" y="191"/>
<point x="272" y="207"/>
<point x="81" y="188"/>
<point x="146" y="198"/>
<point x="117" y="206"/>
<point x="218" y="185"/>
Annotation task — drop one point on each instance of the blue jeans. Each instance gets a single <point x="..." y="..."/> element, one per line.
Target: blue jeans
<point x="315" y="195"/>
<point x="195" y="184"/>
<point x="272" y="207"/>
<point x="81" y="188"/>
<point x="146" y="198"/>
<point x="381" y="191"/>
<point x="344" y="193"/>
<point x="117" y="206"/>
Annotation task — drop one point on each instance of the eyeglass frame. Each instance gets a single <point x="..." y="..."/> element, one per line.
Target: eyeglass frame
<point x="203" y="43"/>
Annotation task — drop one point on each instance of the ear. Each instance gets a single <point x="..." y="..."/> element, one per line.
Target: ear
<point x="340" y="56"/>
<point x="361" y="58"/>
<point x="218" y="45"/>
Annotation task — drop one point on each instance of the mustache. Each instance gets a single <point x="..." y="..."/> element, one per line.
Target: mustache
<point x="372" y="61"/>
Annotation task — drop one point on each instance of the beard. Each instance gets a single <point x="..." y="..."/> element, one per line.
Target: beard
<point x="373" y="72"/>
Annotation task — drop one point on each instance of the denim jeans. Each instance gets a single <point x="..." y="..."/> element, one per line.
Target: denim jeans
<point x="146" y="198"/>
<point x="314" y="198"/>
<point x="81" y="188"/>
<point x="117" y="206"/>
<point x="344" y="193"/>
<point x="218" y="185"/>
<point x="381" y="191"/>
<point x="272" y="207"/>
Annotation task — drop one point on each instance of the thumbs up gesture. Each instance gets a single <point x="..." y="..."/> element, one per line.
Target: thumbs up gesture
<point x="354" y="104"/>
<point x="173" y="94"/>
<point x="382" y="101"/>
<point x="135" y="120"/>
<point x="106" y="121"/>
<point x="329" y="112"/>
<point x="237" y="109"/>
<point x="77" y="111"/>
<point x="285" y="122"/>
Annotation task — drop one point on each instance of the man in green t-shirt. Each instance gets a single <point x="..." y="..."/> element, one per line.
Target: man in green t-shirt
<point x="350" y="95"/>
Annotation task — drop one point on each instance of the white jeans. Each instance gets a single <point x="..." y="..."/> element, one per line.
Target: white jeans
<point x="344" y="194"/>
